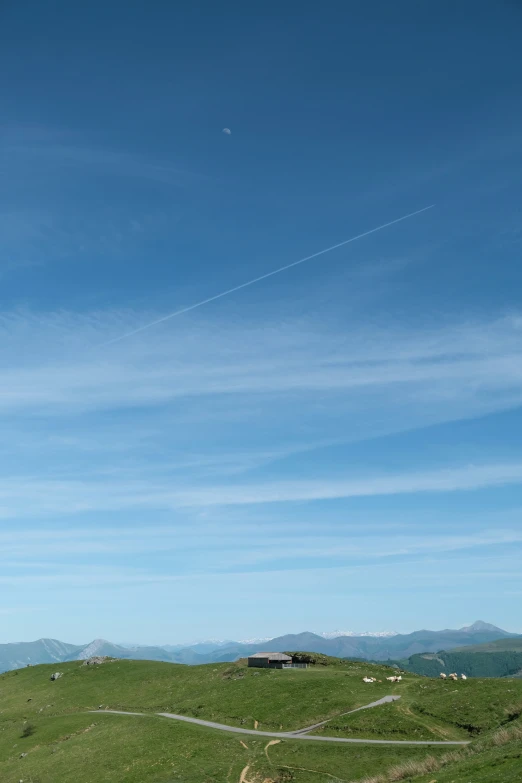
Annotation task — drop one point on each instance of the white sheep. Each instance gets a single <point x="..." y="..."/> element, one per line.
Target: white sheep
<point x="442" y="676"/>
<point x="463" y="677"/>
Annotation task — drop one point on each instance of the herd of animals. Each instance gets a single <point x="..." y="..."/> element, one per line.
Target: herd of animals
<point x="394" y="678"/>
<point x="453" y="676"/>
<point x="397" y="678"/>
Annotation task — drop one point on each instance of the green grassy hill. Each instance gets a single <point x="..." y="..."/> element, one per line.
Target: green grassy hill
<point x="226" y="693"/>
<point x="394" y="721"/>
<point x="436" y="709"/>
<point x="49" y="723"/>
<point x="495" y="759"/>
<point x="126" y="749"/>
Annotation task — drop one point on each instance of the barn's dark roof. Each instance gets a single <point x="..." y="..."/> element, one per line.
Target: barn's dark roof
<point x="272" y="656"/>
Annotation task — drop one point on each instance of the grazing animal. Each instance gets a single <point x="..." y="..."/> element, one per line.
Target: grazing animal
<point x="367" y="679"/>
<point x="442" y="676"/>
<point x="463" y="677"/>
<point x="453" y="676"/>
<point x="394" y="678"/>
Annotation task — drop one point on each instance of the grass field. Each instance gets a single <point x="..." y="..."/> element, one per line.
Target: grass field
<point x="499" y="765"/>
<point x="110" y="748"/>
<point x="391" y="721"/>
<point x="64" y="743"/>
<point x="496" y="758"/>
<point x="474" y="706"/>
<point x="436" y="709"/>
<point x="225" y="693"/>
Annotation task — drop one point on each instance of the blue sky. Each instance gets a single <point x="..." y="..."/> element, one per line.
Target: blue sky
<point x="337" y="446"/>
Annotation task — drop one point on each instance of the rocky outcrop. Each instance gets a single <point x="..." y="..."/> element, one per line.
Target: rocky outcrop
<point x="96" y="659"/>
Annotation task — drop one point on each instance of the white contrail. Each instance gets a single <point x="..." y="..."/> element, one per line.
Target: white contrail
<point x="264" y="277"/>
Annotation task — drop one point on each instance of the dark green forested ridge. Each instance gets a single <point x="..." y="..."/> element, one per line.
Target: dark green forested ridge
<point x="507" y="663"/>
<point x="513" y="644"/>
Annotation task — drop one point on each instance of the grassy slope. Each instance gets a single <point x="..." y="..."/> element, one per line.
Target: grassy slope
<point x="117" y="749"/>
<point x="391" y="721"/>
<point x="475" y="706"/>
<point x="436" y="709"/>
<point x="498" y="765"/>
<point x="151" y="749"/>
<point x="496" y="758"/>
<point x="226" y="693"/>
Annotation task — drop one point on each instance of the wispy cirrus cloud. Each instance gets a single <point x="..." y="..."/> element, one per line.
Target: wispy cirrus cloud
<point x="34" y="151"/>
<point x="256" y="546"/>
<point x="178" y="401"/>
<point x="24" y="496"/>
<point x="184" y="396"/>
<point x="190" y="450"/>
<point x="62" y="367"/>
<point x="426" y="570"/>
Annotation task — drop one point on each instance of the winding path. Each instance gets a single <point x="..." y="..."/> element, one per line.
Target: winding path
<point x="384" y="700"/>
<point x="301" y="734"/>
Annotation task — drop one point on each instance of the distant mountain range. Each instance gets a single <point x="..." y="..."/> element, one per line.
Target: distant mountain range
<point x="377" y="647"/>
<point x="208" y="645"/>
<point x="20" y="654"/>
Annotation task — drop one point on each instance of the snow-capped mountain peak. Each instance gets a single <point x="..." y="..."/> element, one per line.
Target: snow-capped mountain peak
<point x="259" y="640"/>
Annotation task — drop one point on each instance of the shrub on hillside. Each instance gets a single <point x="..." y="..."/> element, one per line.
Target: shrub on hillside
<point x="313" y="659"/>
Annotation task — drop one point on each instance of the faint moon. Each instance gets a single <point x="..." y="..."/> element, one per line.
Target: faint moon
<point x="227" y="131"/>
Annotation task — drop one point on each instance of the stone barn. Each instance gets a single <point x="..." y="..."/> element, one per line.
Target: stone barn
<point x="269" y="660"/>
